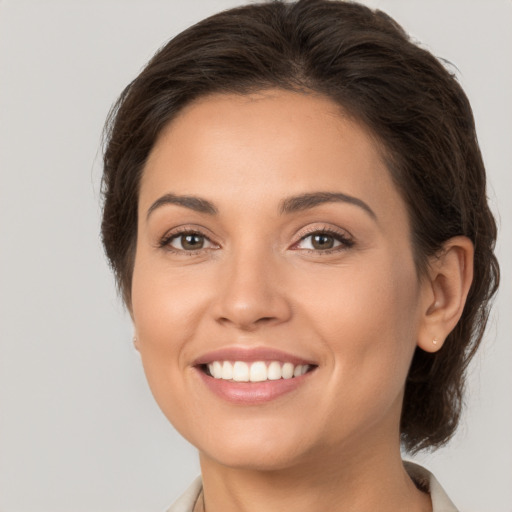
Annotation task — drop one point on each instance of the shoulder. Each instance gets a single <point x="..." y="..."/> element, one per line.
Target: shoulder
<point x="427" y="482"/>
<point x="186" y="502"/>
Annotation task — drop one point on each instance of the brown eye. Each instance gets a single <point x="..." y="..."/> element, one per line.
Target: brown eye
<point x="189" y="242"/>
<point x="322" y="241"/>
<point x="192" y="241"/>
<point x="325" y="241"/>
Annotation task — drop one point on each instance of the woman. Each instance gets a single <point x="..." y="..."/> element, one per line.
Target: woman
<point x="295" y="211"/>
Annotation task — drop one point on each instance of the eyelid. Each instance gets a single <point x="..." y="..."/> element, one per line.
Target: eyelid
<point x="165" y="241"/>
<point x="344" y="237"/>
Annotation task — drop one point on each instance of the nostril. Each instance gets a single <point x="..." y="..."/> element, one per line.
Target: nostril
<point x="247" y="324"/>
<point x="265" y="319"/>
<point x="247" y="299"/>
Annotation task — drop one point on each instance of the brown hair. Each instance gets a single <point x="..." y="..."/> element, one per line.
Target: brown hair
<point x="366" y="63"/>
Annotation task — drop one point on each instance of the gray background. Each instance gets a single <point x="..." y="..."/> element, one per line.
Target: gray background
<point x="78" y="428"/>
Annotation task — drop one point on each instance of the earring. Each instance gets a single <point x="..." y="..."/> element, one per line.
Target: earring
<point x="434" y="341"/>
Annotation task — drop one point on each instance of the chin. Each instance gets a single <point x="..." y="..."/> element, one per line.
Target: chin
<point x="254" y="458"/>
<point x="255" y="449"/>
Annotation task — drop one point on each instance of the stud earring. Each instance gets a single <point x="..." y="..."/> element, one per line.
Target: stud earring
<point x="434" y="341"/>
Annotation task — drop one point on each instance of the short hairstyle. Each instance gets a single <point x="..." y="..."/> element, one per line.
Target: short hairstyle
<point x="413" y="106"/>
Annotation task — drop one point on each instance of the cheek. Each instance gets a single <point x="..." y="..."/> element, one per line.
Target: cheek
<point x="166" y="304"/>
<point x="379" y="296"/>
<point x="165" y="313"/>
<point x="367" y="323"/>
<point x="367" y="319"/>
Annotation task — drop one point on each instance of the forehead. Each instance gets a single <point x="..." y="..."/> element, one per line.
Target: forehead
<point x="268" y="143"/>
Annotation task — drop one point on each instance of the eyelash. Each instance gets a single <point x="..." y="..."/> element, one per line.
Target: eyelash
<point x="346" y="242"/>
<point x="165" y="242"/>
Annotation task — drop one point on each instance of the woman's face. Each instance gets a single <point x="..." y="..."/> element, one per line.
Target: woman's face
<point x="272" y="240"/>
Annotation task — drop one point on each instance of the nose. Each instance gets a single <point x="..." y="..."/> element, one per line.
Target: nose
<point x="252" y="293"/>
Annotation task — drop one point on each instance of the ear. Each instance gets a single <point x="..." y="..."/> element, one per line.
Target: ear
<point x="444" y="291"/>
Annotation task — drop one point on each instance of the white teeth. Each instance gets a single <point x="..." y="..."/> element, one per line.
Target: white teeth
<point x="287" y="370"/>
<point x="227" y="370"/>
<point x="303" y="370"/>
<point x="240" y="372"/>
<point x="258" y="371"/>
<point x="274" y="371"/>
<point x="216" y="371"/>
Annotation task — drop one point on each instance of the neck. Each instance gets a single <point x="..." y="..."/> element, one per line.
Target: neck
<point x="343" y="480"/>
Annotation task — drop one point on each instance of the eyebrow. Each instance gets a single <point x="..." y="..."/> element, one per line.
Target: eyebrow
<point x="290" y="205"/>
<point x="193" y="203"/>
<point x="307" y="201"/>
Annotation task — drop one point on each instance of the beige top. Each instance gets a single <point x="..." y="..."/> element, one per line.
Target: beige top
<point x="423" y="479"/>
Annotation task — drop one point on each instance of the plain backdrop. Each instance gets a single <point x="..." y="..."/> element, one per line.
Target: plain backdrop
<point x="79" y="430"/>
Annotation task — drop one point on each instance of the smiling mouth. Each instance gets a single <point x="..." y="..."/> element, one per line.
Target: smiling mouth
<point x="255" y="371"/>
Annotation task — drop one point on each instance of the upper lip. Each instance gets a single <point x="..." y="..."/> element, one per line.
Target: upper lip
<point x="250" y="354"/>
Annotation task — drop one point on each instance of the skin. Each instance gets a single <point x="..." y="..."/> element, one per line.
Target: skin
<point x="357" y="311"/>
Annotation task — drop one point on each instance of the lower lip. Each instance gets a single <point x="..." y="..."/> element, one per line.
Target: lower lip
<point x="252" y="393"/>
